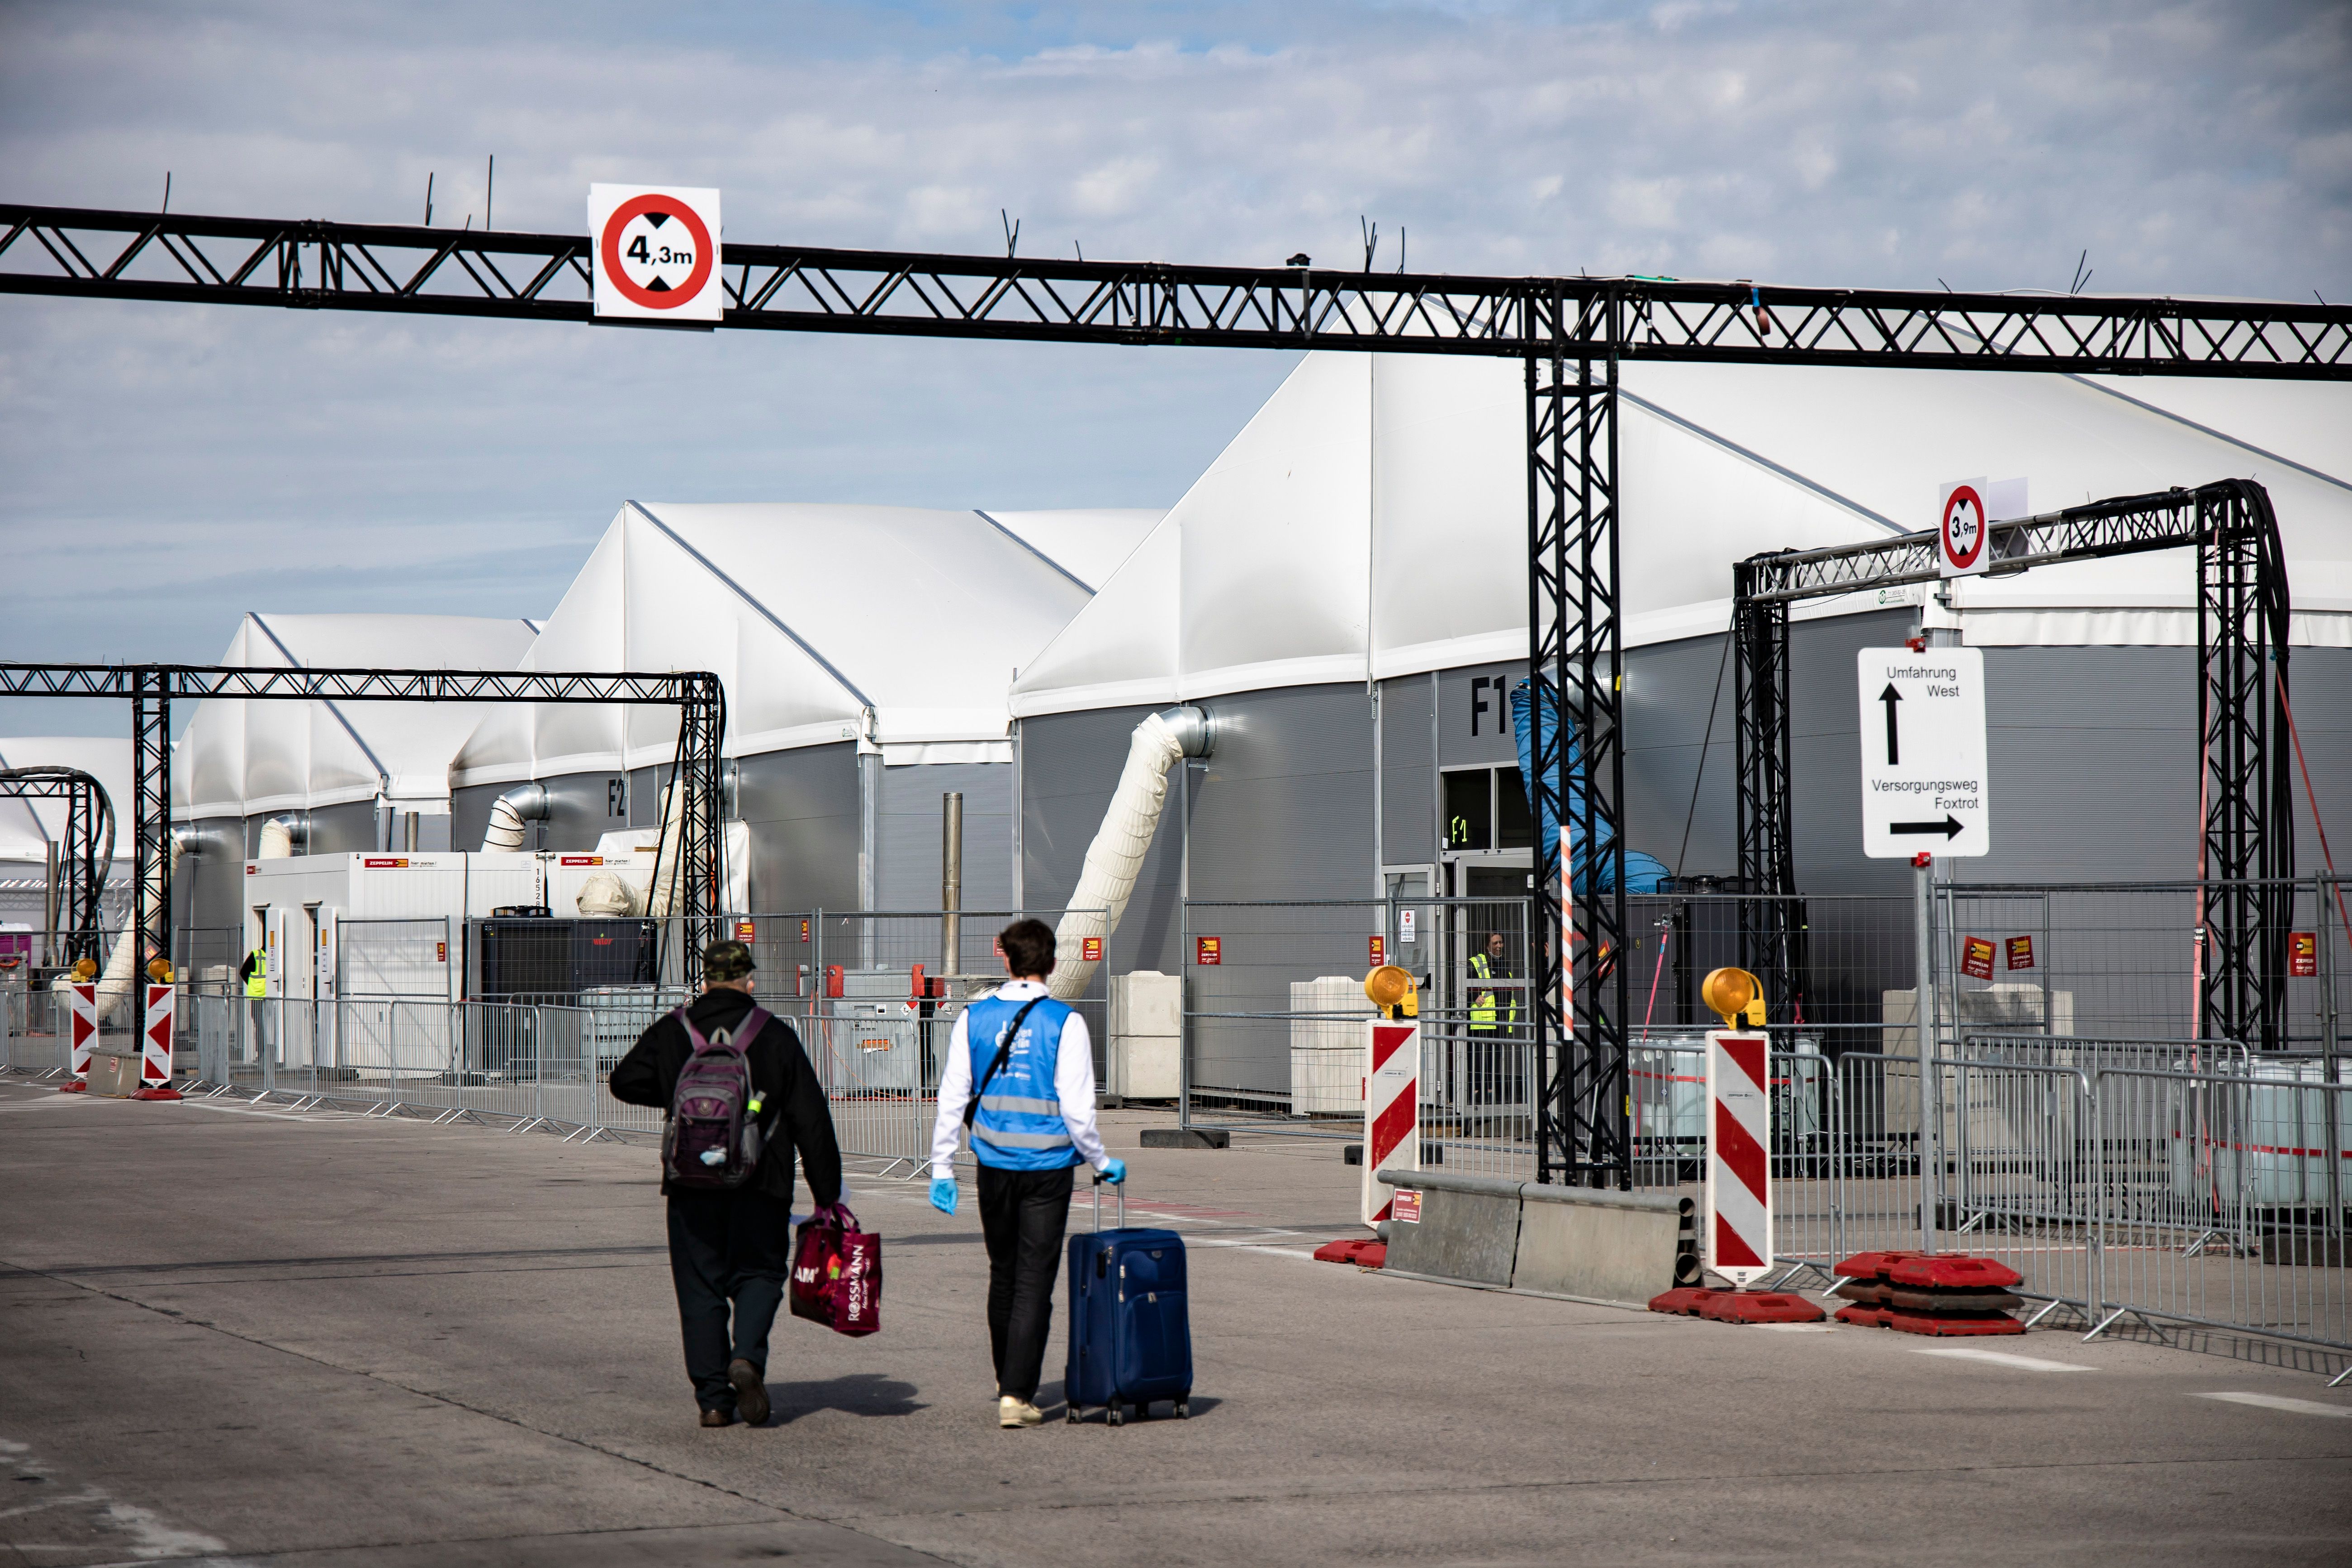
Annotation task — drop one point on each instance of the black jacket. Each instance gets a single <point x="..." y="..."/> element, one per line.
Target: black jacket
<point x="796" y="1115"/>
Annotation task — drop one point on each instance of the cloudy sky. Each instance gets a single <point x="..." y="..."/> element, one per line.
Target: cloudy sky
<point x="171" y="467"/>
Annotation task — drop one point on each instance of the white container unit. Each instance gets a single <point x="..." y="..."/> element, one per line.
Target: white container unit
<point x="365" y="952"/>
<point x="1326" y="1053"/>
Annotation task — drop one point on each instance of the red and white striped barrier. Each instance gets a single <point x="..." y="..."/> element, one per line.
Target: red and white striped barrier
<point x="1739" y="1161"/>
<point x="1392" y="1109"/>
<point x="155" y="1050"/>
<point x="82" y="1035"/>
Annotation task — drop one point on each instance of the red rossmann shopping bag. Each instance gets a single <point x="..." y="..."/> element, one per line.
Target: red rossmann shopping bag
<point x="837" y="1273"/>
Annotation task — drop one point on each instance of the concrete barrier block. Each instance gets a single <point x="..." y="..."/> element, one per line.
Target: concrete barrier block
<point x="1187" y="1138"/>
<point x="1611" y="1247"/>
<point x="1468" y="1231"/>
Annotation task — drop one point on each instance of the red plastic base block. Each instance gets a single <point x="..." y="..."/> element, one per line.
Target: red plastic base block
<point x="79" y="1086"/>
<point x="155" y="1093"/>
<point x="1951" y="1328"/>
<point x="1946" y="1271"/>
<point x="1362" y="1251"/>
<point x="1684" y="1301"/>
<point x="1865" y="1317"/>
<point x="1760" y="1307"/>
<point x="1872" y="1264"/>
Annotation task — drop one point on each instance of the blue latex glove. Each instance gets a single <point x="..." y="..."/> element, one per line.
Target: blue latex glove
<point x="944" y="1194"/>
<point x="1115" y="1173"/>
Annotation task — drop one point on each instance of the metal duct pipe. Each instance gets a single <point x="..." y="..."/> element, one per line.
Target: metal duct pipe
<point x="951" y="881"/>
<point x="1116" y="856"/>
<point x="524" y="803"/>
<point x="281" y="835"/>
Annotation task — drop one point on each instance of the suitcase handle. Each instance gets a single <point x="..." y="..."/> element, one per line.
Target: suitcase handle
<point x="1122" y="1202"/>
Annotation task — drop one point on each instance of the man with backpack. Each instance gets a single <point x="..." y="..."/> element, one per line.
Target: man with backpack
<point x="1020" y="1073"/>
<point x="742" y="1096"/>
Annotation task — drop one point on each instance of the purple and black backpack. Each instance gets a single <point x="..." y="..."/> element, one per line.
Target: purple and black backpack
<point x="713" y="1137"/>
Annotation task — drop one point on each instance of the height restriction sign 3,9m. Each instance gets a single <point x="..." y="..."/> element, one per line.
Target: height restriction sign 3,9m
<point x="656" y="253"/>
<point x="1923" y="752"/>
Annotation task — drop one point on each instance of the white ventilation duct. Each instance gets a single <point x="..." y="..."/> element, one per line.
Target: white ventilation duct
<point x="281" y="835"/>
<point x="662" y="897"/>
<point x="604" y="893"/>
<point x="1116" y="856"/>
<point x="524" y="803"/>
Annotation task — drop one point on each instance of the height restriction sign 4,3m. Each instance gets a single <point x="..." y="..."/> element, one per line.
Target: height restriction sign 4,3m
<point x="656" y="253"/>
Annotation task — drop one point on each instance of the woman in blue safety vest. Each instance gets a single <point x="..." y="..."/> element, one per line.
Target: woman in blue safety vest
<point x="1031" y="1121"/>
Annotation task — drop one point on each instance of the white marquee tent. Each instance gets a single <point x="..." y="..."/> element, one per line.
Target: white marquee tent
<point x="244" y="759"/>
<point x="896" y="627"/>
<point x="1370" y="522"/>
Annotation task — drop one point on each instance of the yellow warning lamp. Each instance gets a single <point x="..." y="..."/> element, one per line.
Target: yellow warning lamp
<point x="85" y="971"/>
<point x="159" y="970"/>
<point x="1734" y="994"/>
<point x="1391" y="990"/>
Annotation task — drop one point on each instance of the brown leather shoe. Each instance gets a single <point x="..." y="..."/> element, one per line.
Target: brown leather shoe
<point x="751" y="1393"/>
<point x="718" y="1418"/>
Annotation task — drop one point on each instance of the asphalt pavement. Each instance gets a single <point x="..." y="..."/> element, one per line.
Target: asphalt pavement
<point x="246" y="1335"/>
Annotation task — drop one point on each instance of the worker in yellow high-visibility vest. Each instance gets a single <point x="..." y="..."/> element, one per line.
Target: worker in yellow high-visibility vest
<point x="1493" y="1024"/>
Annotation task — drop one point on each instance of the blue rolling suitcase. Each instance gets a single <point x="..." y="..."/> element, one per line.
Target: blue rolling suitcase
<point x="1130" y="1336"/>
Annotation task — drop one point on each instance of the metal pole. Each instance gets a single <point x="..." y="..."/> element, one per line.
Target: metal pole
<point x="950" y="882"/>
<point x="2331" y="1095"/>
<point x="1185" y="944"/>
<point x="1931" y="1161"/>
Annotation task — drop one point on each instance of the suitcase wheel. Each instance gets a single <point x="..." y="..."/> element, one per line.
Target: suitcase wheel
<point x="1113" y="1415"/>
<point x="1184" y="1407"/>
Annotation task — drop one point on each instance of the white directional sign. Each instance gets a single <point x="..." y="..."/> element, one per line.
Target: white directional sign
<point x="1923" y="752"/>
<point x="656" y="253"/>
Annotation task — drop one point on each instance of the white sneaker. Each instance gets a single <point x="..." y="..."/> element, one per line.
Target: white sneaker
<point x="1013" y="1414"/>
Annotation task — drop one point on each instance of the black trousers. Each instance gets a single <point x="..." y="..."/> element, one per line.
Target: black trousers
<point x="727" y="1249"/>
<point x="1022" y="1216"/>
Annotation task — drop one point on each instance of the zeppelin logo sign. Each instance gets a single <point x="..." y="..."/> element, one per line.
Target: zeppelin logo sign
<point x="383" y="863"/>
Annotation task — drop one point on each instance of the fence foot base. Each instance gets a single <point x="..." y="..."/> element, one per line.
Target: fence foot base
<point x="2339" y="1377"/>
<point x="590" y="1135"/>
<point x="528" y="1125"/>
<point x="2120" y="1313"/>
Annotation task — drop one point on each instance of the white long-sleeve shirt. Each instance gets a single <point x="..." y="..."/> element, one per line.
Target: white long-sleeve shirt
<point x="1074" y="1085"/>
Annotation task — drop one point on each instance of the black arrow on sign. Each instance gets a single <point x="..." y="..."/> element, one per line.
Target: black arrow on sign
<point x="1890" y="696"/>
<point x="1949" y="827"/>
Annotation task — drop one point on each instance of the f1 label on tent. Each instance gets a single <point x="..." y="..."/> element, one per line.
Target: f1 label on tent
<point x="1923" y="752"/>
<point x="656" y="254"/>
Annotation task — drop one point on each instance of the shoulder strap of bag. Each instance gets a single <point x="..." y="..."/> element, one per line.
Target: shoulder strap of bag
<point x="1003" y="1049"/>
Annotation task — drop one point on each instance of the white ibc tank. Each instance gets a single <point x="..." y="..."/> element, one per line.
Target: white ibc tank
<point x="1327" y="1052"/>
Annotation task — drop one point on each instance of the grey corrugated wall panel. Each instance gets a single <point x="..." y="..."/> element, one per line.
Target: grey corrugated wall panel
<point x="1408" y="773"/>
<point x="802" y="808"/>
<point x="907" y="830"/>
<point x="1070" y="763"/>
<point x="1668" y="688"/>
<point x="1283" y="809"/>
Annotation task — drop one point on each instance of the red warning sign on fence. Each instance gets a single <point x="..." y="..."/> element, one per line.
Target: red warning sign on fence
<point x="1380" y="951"/>
<point x="2020" y="952"/>
<point x="1208" y="950"/>
<point x="1091" y="949"/>
<point x="745" y="931"/>
<point x="1976" y="957"/>
<point x="2303" y="955"/>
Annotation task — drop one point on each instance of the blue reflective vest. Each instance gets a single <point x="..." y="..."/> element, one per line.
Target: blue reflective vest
<point x="1019" y="1125"/>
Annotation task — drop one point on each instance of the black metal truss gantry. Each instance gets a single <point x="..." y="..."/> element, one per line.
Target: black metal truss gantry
<point x="1572" y="333"/>
<point x="151" y="689"/>
<point x="85" y="849"/>
<point x="2245" y="791"/>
